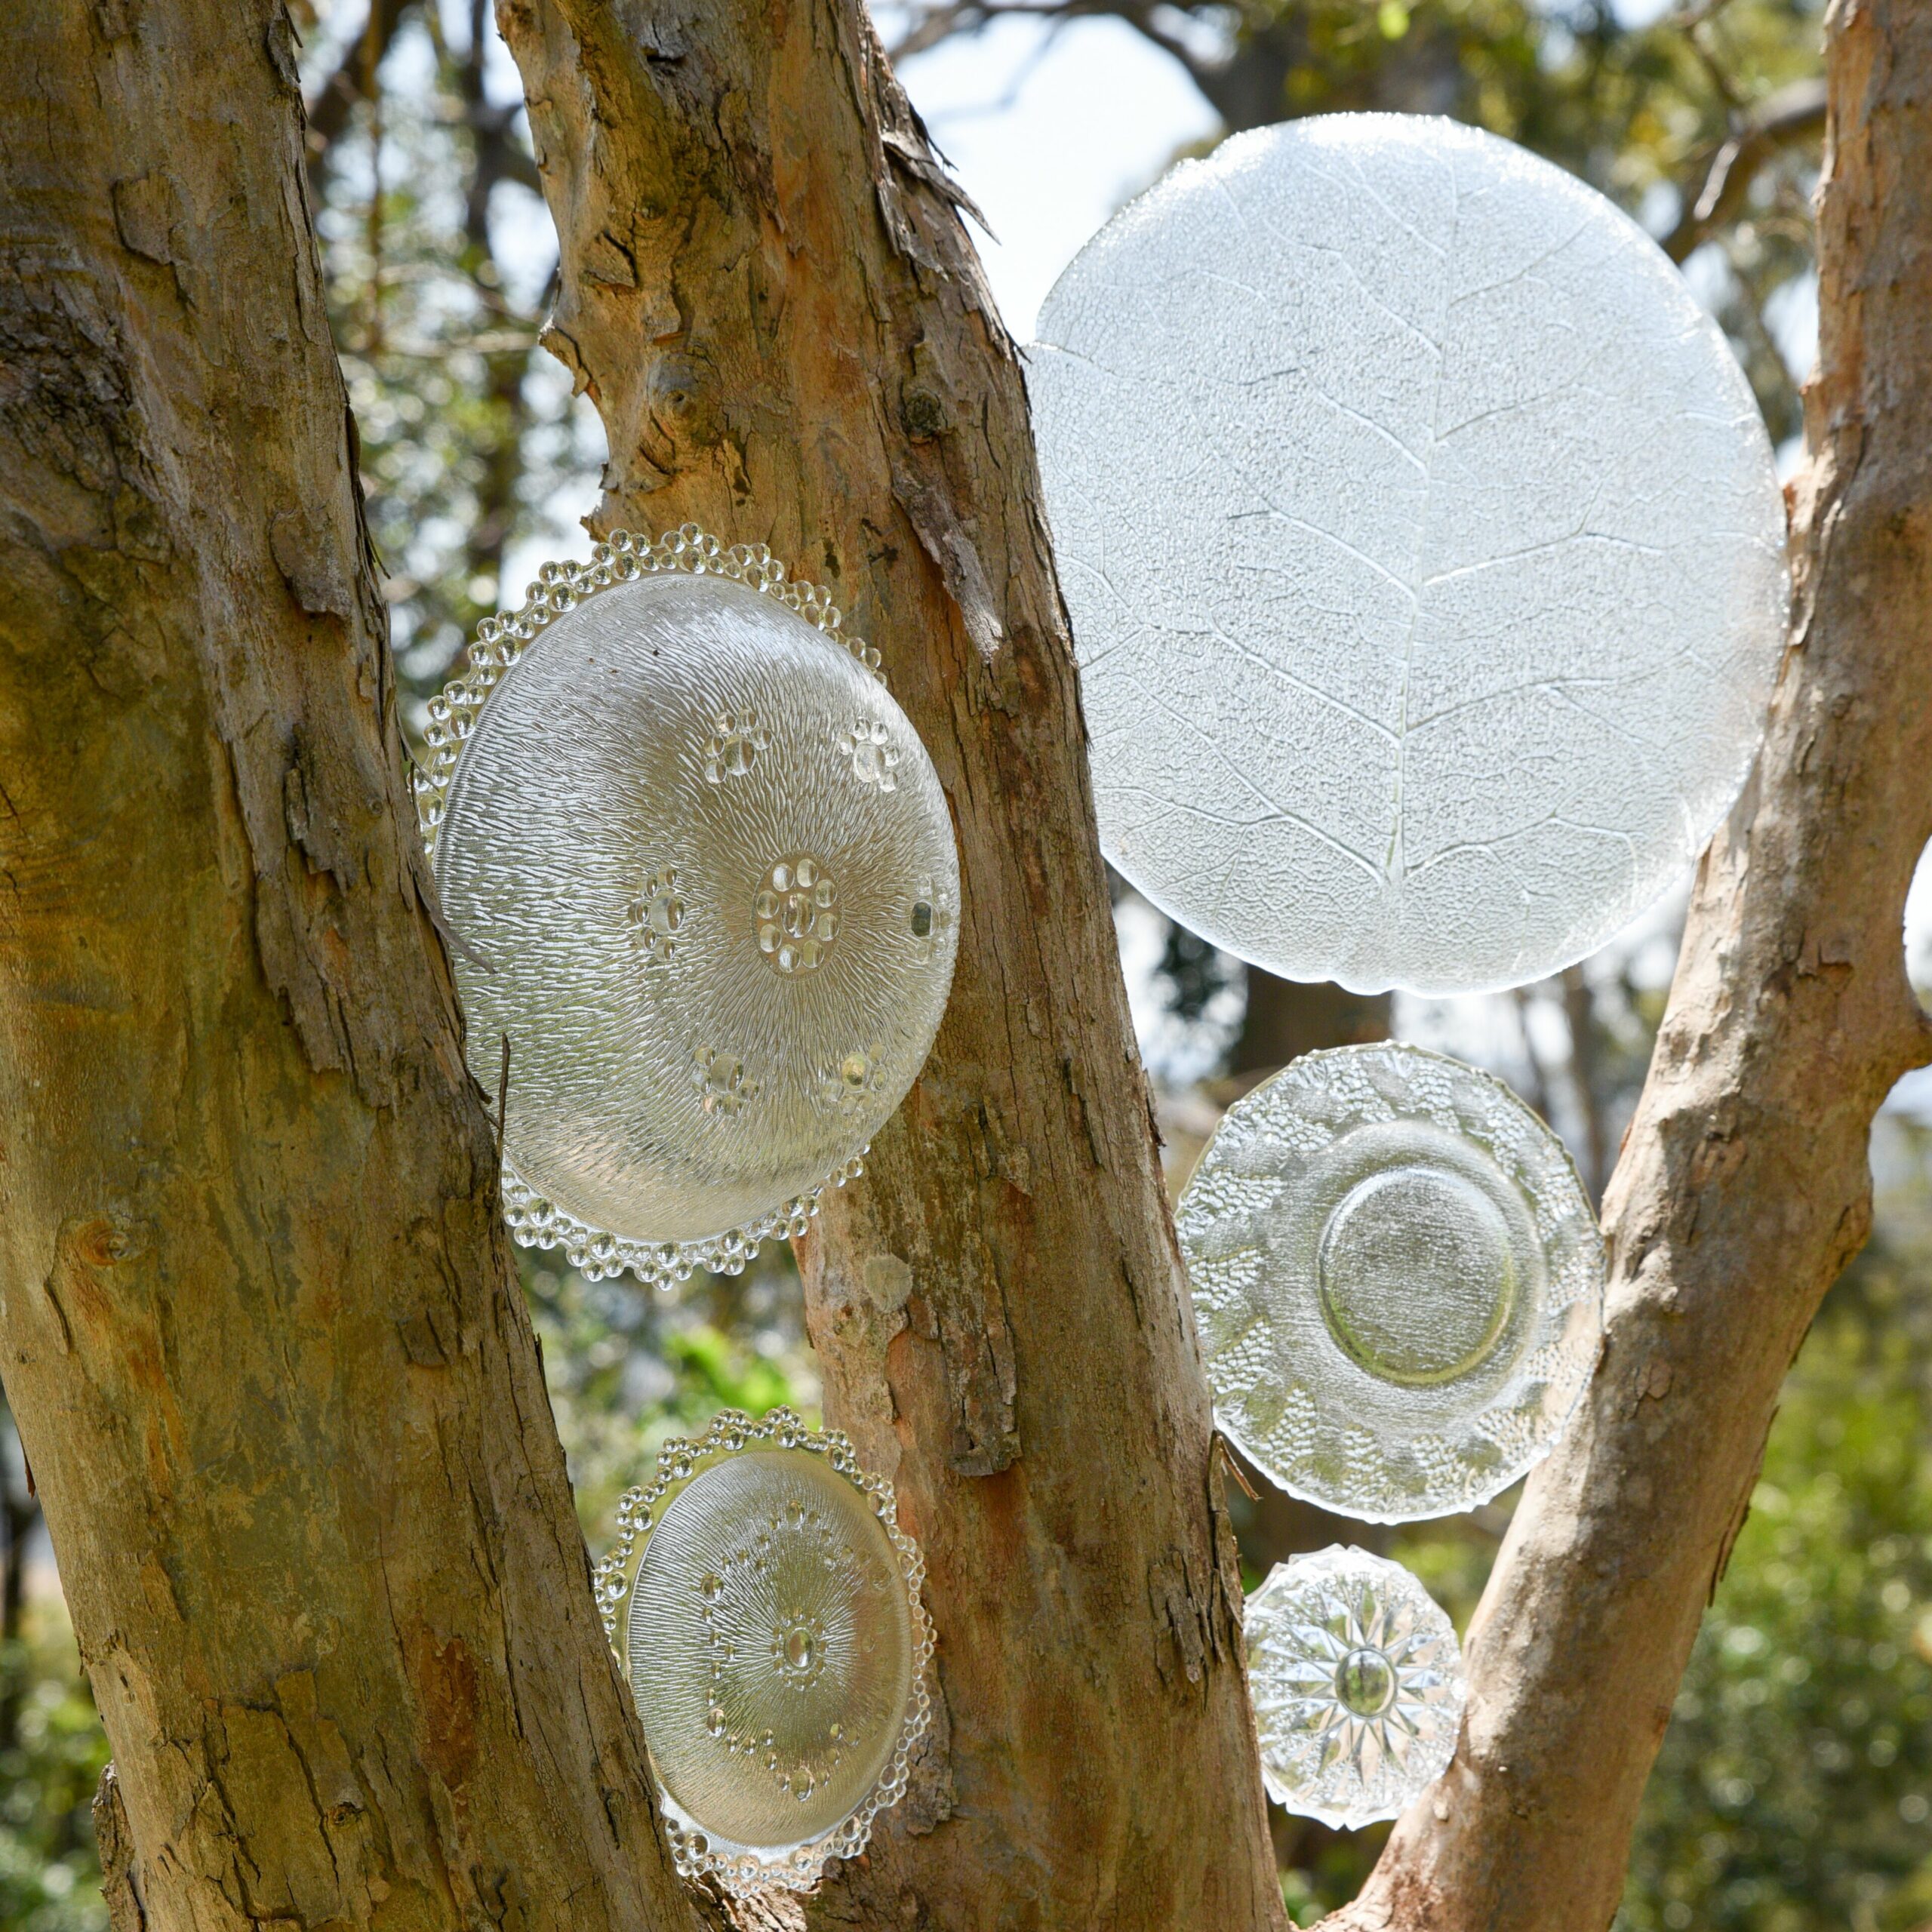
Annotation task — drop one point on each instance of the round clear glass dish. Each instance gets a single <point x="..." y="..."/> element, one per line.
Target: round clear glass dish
<point x="698" y="870"/>
<point x="1398" y="1279"/>
<point x="764" y="1605"/>
<point x="1357" y="1682"/>
<point x="1424" y="550"/>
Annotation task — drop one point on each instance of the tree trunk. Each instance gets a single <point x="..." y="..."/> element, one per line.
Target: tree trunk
<point x="1286" y="1019"/>
<point x="768" y="292"/>
<point x="1743" y="1188"/>
<point x="258" y="1322"/>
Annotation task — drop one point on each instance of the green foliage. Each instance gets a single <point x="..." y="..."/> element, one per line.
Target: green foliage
<point x="466" y="431"/>
<point x="1639" y="111"/>
<point x="50" y="1877"/>
<point x="1793" y="1792"/>
<point x="628" y="1368"/>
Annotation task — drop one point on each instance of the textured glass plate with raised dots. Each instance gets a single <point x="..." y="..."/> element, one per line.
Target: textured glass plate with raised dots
<point x="698" y="868"/>
<point x="1398" y="1280"/>
<point x="765" y="1604"/>
<point x="1356" y="1679"/>
<point x="1423" y="547"/>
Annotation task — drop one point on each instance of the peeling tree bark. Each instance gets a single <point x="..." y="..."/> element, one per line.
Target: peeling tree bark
<point x="258" y="1323"/>
<point x="256" y="1319"/>
<point x="1743" y="1188"/>
<point x="768" y="292"/>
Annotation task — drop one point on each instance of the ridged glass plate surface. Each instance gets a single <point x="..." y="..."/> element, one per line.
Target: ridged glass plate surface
<point x="768" y="1607"/>
<point x="699" y="869"/>
<point x="1397" y="1280"/>
<point x="1357" y="1682"/>
<point x="1424" y="550"/>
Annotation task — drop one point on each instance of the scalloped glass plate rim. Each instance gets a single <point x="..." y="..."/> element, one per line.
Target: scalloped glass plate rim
<point x="697" y="1851"/>
<point x="600" y="1254"/>
<point x="1230" y="1426"/>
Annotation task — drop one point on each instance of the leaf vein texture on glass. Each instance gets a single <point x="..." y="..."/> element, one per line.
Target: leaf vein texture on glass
<point x="1424" y="550"/>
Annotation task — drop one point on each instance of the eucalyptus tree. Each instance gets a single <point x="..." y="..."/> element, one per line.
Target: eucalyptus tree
<point x="258" y="1320"/>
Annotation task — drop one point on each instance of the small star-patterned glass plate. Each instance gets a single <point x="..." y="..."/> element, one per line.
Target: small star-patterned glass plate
<point x="765" y="1606"/>
<point x="1356" y="1679"/>
<point x="1397" y="1280"/>
<point x="699" y="871"/>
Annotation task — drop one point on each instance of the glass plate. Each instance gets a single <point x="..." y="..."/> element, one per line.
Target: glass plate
<point x="1397" y="1280"/>
<point x="698" y="868"/>
<point x="766" y="1607"/>
<point x="1424" y="550"/>
<point x="1357" y="1683"/>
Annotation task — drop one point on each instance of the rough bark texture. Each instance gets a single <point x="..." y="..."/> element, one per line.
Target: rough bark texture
<point x="256" y="1320"/>
<point x="258" y="1324"/>
<point x="1743" y="1188"/>
<point x="768" y="291"/>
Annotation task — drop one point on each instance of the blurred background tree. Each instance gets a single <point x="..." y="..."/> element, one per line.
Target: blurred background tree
<point x="1794" y="1791"/>
<point x="52" y="1748"/>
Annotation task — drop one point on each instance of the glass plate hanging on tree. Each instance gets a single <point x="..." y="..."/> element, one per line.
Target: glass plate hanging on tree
<point x="1397" y="1280"/>
<point x="1356" y="1679"/>
<point x="1424" y="550"/>
<point x="699" y="871"/>
<point x="764" y="1605"/>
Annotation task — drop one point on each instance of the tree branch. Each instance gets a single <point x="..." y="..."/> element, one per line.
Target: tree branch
<point x="115" y="1845"/>
<point x="767" y="289"/>
<point x="1792" y="115"/>
<point x="971" y="16"/>
<point x="264" y="1339"/>
<point x="1744" y="1188"/>
<point x="335" y="100"/>
<point x="1579" y="1014"/>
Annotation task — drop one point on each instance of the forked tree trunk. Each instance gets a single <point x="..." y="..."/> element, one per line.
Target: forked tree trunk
<point x="258" y="1323"/>
<point x="706" y="163"/>
<point x="770" y="295"/>
<point x="1743" y="1188"/>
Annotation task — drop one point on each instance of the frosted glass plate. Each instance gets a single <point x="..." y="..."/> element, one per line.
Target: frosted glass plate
<point x="1398" y="1280"/>
<point x="1423" y="548"/>
<point x="767" y="1605"/>
<point x="699" y="869"/>
<point x="1357" y="1682"/>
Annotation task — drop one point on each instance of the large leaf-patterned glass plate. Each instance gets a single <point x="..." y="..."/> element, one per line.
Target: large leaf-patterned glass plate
<point x="1424" y="550"/>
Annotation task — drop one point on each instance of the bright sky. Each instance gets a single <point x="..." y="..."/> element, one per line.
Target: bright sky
<point x="1050" y="133"/>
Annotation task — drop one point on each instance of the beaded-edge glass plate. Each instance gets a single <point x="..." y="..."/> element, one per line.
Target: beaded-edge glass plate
<point x="535" y="1220"/>
<point x="741" y="1868"/>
